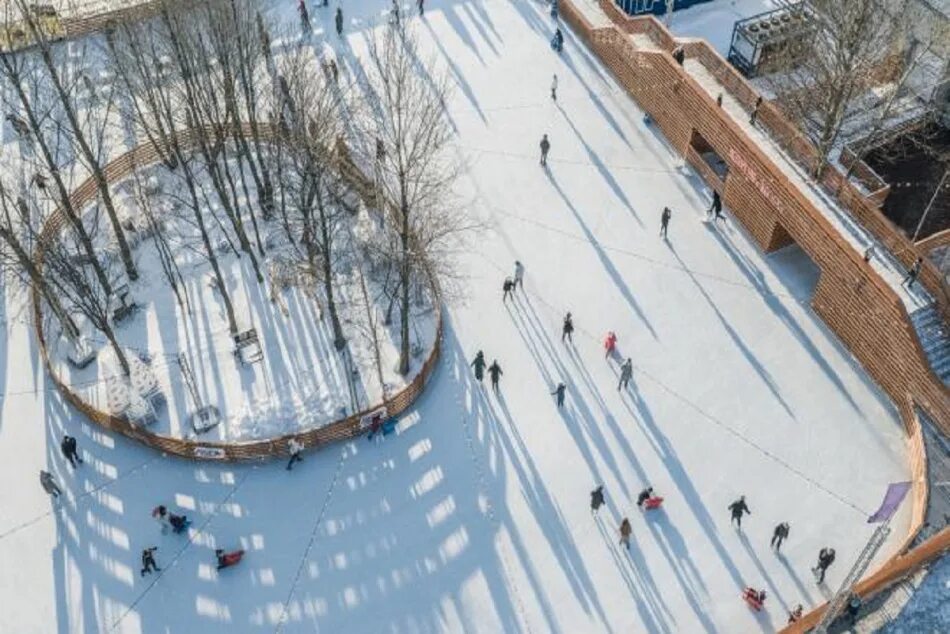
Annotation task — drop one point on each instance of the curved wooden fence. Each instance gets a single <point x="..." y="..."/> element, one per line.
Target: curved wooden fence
<point x="148" y="154"/>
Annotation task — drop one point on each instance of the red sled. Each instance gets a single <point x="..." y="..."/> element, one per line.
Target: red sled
<point x="653" y="503"/>
<point x="226" y="560"/>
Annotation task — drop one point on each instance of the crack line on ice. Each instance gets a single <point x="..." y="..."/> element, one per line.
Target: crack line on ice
<point x="281" y="620"/>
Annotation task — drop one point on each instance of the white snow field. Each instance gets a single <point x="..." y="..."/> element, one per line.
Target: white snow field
<point x="475" y="516"/>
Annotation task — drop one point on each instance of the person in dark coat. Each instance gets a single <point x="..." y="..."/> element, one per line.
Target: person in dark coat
<point x="339" y="21"/>
<point x="645" y="495"/>
<point x="596" y="499"/>
<point x="558" y="393"/>
<point x="494" y="371"/>
<point x="148" y="560"/>
<point x="679" y="55"/>
<point x="912" y="273"/>
<point x="545" y="148"/>
<point x="715" y="209"/>
<point x="625" y="531"/>
<point x="479" y="365"/>
<point x="558" y="41"/>
<point x="755" y="111"/>
<point x="737" y="508"/>
<point x="665" y="221"/>
<point x="626" y="373"/>
<point x="779" y="535"/>
<point x="70" y="451"/>
<point x="826" y="557"/>
<point x="421" y="5"/>
<point x="507" y="289"/>
<point x="567" y="330"/>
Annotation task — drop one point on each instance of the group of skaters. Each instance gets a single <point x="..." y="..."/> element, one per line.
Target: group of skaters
<point x="307" y="28"/>
<point x="756" y="598"/>
<point x="166" y="519"/>
<point x="646" y="501"/>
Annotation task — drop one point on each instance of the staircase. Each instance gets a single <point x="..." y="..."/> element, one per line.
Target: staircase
<point x="935" y="340"/>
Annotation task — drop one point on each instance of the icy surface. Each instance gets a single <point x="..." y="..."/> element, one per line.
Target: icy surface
<point x="474" y="516"/>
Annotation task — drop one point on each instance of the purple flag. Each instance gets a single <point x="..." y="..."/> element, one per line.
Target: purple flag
<point x="892" y="499"/>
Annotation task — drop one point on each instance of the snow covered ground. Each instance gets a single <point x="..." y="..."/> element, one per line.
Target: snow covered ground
<point x="474" y="517"/>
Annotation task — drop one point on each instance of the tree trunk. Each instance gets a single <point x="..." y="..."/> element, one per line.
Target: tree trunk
<point x="339" y="341"/>
<point x="119" y="352"/>
<point x="404" y="290"/>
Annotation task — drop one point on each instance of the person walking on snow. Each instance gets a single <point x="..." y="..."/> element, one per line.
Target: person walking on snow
<point x="826" y="557"/>
<point x="567" y="330"/>
<point x="554" y="88"/>
<point x="625" y="531"/>
<point x="779" y="535"/>
<point x="421" y="6"/>
<point x="715" y="209"/>
<point x="545" y="148"/>
<point x="494" y="371"/>
<point x="610" y="342"/>
<point x="665" y="221"/>
<point x="507" y="289"/>
<point x="559" y="394"/>
<point x="645" y="495"/>
<point x="68" y="447"/>
<point x="479" y="365"/>
<point x="296" y="448"/>
<point x="49" y="484"/>
<point x="912" y="273"/>
<point x="596" y="499"/>
<point x="755" y="111"/>
<point x="738" y="508"/>
<point x="626" y="373"/>
<point x="519" y="274"/>
<point x="339" y="21"/>
<point x="148" y="560"/>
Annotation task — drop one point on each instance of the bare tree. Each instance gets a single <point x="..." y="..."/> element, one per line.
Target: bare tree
<point x="406" y="118"/>
<point x="854" y="47"/>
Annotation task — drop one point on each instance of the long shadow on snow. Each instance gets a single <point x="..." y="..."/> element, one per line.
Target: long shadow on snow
<point x="605" y="261"/>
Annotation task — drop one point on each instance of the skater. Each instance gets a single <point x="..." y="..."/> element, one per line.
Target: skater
<point x="160" y="513"/>
<point x="519" y="274"/>
<point x="626" y="373"/>
<point x="558" y="393"/>
<point x="375" y="428"/>
<point x="738" y="508"/>
<point x="421" y="5"/>
<point x="545" y="147"/>
<point x="178" y="522"/>
<point x="869" y="253"/>
<point x="554" y="88"/>
<point x="494" y="371"/>
<point x="625" y="531"/>
<point x="49" y="484"/>
<point x="295" y="447"/>
<point x="755" y="111"/>
<point x="715" y="209"/>
<point x="779" y="535"/>
<point x="912" y="273"/>
<point x="148" y="560"/>
<point x="304" y="17"/>
<point x="479" y="365"/>
<point x="68" y="447"/>
<point x="826" y="557"/>
<point x="610" y="343"/>
<point x="507" y="289"/>
<point x="557" y="43"/>
<point x="554" y="9"/>
<point x="755" y="598"/>
<point x="645" y="495"/>
<point x="596" y="499"/>
<point x="334" y="71"/>
<point x="339" y="22"/>
<point x="665" y="221"/>
<point x="567" y="330"/>
<point x="679" y="55"/>
<point x="795" y="614"/>
<point x="719" y="100"/>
